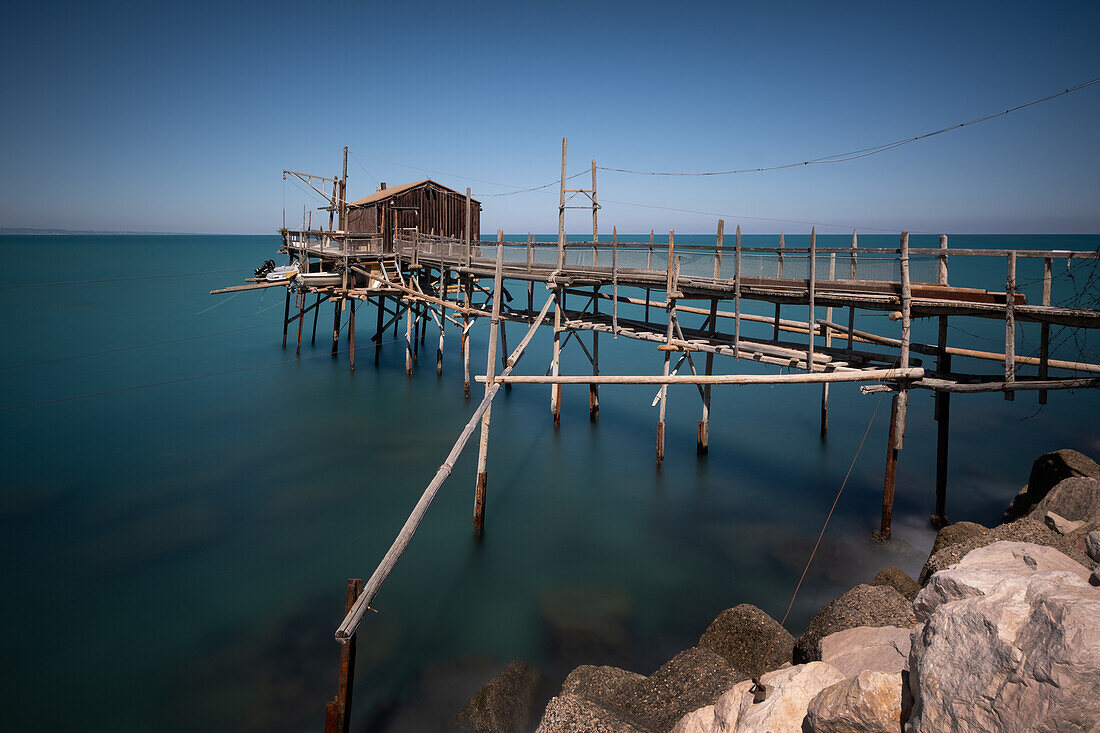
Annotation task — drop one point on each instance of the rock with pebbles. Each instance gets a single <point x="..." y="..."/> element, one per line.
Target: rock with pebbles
<point x="743" y="635"/>
<point x="863" y="605"/>
<point x="897" y="579"/>
<point x="690" y="680"/>
<point x="504" y="704"/>
<point x="947" y="553"/>
<point x="867" y="649"/>
<point x="981" y="570"/>
<point x="1047" y="471"/>
<point x="574" y="714"/>
<point x="870" y="702"/>
<point x="1019" y="654"/>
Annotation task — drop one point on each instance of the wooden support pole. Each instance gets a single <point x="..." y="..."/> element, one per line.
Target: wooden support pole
<point x="649" y="255"/>
<point x="409" y="338"/>
<point x="1044" y="330"/>
<point x="852" y="276"/>
<point x="1010" y="324"/>
<point x="702" y="440"/>
<point x="490" y="371"/>
<point x="353" y="618"/>
<point x="615" y="282"/>
<point x="286" y="316"/>
<point x="810" y="286"/>
<point x="442" y="294"/>
<point x="778" y="273"/>
<point x="467" y="300"/>
<point x="337" y="311"/>
<point x="316" y="310"/>
<point x="828" y="343"/>
<point x="899" y="402"/>
<point x="338" y="710"/>
<point x="380" y="300"/>
<point x="555" y="360"/>
<point x="594" y="390"/>
<point x="737" y="296"/>
<point x="561" y="210"/>
<point x="891" y="471"/>
<point x="943" y="426"/>
<point x="670" y="304"/>
<point x="351" y="337"/>
<point x="530" y="283"/>
<point x="301" y="302"/>
<point x="847" y="375"/>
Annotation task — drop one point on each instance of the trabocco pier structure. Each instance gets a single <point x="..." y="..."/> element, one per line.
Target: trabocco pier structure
<point x="415" y="253"/>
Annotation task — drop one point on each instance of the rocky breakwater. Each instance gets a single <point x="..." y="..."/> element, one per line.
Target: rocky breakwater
<point x="1001" y="634"/>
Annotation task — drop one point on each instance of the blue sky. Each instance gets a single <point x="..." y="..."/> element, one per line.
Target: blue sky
<point x="180" y="117"/>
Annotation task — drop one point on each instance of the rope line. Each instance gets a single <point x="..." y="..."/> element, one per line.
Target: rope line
<point x="863" y="152"/>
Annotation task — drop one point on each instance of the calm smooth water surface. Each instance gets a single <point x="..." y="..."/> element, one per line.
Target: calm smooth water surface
<point x="183" y="500"/>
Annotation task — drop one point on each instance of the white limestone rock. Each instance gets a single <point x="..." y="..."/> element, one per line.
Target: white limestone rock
<point x="979" y="572"/>
<point x="1020" y="653"/>
<point x="789" y="693"/>
<point x="697" y="721"/>
<point x="1060" y="524"/>
<point x="867" y="648"/>
<point x="870" y="702"/>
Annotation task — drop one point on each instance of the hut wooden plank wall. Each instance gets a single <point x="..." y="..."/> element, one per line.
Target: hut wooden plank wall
<point x="430" y="207"/>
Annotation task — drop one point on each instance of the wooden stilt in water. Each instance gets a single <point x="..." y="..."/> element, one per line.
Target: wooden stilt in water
<point x="442" y="322"/>
<point x="812" y="283"/>
<point x="943" y="426"/>
<point x="891" y="470"/>
<point x="594" y="390"/>
<point x="468" y="295"/>
<point x="670" y="300"/>
<point x="555" y="358"/>
<point x="379" y="301"/>
<point x="301" y="298"/>
<point x="338" y="710"/>
<point x="286" y="316"/>
<point x="490" y="371"/>
<point x="852" y="276"/>
<point x="702" y="444"/>
<point x="1044" y="331"/>
<point x="316" y="310"/>
<point x="778" y="273"/>
<point x="898" y="404"/>
<point x="409" y="339"/>
<point x="828" y="343"/>
<point x="337" y="309"/>
<point x="351" y="336"/>
<point x="1010" y="325"/>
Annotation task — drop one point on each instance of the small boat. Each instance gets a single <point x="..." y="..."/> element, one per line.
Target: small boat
<point x="317" y="279"/>
<point x="284" y="272"/>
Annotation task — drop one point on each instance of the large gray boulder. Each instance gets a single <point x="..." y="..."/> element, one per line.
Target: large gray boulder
<point x="867" y="649"/>
<point x="863" y="605"/>
<point x="870" y="702"/>
<point x="1092" y="545"/>
<point x="603" y="685"/>
<point x="1074" y="499"/>
<point x="981" y="570"/>
<point x="743" y="635"/>
<point x="574" y="714"/>
<point x="897" y="579"/>
<point x="956" y="545"/>
<point x="1047" y="471"/>
<point x="504" y="704"/>
<point x="1021" y="653"/>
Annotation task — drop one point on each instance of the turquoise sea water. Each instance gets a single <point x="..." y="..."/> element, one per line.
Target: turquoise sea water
<point x="183" y="500"/>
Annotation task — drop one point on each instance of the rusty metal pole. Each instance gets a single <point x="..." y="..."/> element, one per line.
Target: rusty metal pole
<point x="338" y="710"/>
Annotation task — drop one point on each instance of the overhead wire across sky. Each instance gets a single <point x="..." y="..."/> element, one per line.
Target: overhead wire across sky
<point x="835" y="158"/>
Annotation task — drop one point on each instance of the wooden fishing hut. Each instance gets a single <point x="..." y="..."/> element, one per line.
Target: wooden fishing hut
<point x="425" y="207"/>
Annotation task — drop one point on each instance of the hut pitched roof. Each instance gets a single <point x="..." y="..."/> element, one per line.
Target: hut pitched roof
<point x="399" y="189"/>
